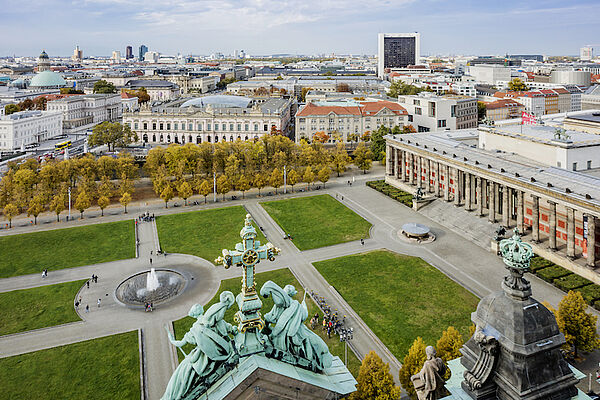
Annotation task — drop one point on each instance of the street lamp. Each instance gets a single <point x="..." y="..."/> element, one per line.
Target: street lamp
<point x="345" y="335"/>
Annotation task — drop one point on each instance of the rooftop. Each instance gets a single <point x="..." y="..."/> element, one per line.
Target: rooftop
<point x="546" y="134"/>
<point x="218" y="101"/>
<point x="591" y="117"/>
<point x="47" y="79"/>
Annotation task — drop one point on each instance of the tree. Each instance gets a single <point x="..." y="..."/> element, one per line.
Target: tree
<point x="112" y="134"/>
<point x="413" y="362"/>
<point x="40" y="103"/>
<point x="103" y="202"/>
<point x="324" y="174"/>
<point x="517" y="85"/>
<point x="342" y="87"/>
<point x="10" y="211"/>
<point x="11" y="109"/>
<point x="36" y="207"/>
<point x="375" y="380"/>
<point x="408" y="129"/>
<point x="167" y="194"/>
<point x="142" y="95"/>
<point x="185" y="191"/>
<point x="340" y="159"/>
<point x="58" y="204"/>
<point x="378" y="142"/>
<point x="205" y="189"/>
<point x="399" y="88"/>
<point x="363" y="158"/>
<point x="303" y="93"/>
<point x="82" y="203"/>
<point x="125" y="200"/>
<point x="448" y="347"/>
<point x="578" y="326"/>
<point x="260" y="181"/>
<point x="292" y="178"/>
<point x="276" y="179"/>
<point x="70" y="90"/>
<point x="309" y="176"/>
<point x="243" y="185"/>
<point x="481" y="111"/>
<point x="223" y="185"/>
<point x="321" y="137"/>
<point x="103" y="86"/>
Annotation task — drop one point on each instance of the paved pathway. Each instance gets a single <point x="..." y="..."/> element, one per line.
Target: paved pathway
<point x="462" y="260"/>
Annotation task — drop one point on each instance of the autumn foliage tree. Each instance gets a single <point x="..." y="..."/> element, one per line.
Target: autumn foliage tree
<point x="363" y="158"/>
<point x="412" y="363"/>
<point x="375" y="382"/>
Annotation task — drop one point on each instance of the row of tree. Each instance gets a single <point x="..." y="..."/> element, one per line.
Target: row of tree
<point x="33" y="188"/>
<point x="27" y="104"/>
<point x="376" y="382"/>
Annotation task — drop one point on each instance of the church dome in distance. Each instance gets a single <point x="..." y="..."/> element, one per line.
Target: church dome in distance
<point x="47" y="79"/>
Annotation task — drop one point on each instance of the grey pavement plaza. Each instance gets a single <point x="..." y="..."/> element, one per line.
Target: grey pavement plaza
<point x="457" y="252"/>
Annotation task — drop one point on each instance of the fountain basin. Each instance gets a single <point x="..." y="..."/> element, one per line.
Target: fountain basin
<point x="166" y="285"/>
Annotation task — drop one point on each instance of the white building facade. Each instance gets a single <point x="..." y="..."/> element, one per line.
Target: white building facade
<point x="430" y="113"/>
<point x="25" y="128"/>
<point x="83" y="112"/>
<point x="489" y="74"/>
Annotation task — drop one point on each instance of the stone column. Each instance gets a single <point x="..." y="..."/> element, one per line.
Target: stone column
<point x="468" y="191"/>
<point x="388" y="156"/>
<point x="570" y="232"/>
<point x="480" y="196"/>
<point x="404" y="166"/>
<point x="535" y="224"/>
<point x="446" y="182"/>
<point x="411" y="168"/>
<point x="505" y="216"/>
<point x="492" y="203"/>
<point x="520" y="224"/>
<point x="395" y="166"/>
<point x="456" y="187"/>
<point x="427" y="175"/>
<point x="552" y="225"/>
<point x="420" y="171"/>
<point x="591" y="241"/>
<point x="437" y="180"/>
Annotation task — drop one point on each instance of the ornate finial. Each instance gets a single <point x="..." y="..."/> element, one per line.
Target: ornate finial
<point x="516" y="255"/>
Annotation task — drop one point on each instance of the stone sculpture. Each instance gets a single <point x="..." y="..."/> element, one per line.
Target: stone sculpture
<point x="214" y="352"/>
<point x="429" y="382"/>
<point x="287" y="335"/>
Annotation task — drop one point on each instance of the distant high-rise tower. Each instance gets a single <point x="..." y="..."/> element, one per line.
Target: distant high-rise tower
<point x="398" y="50"/>
<point x="143" y="51"/>
<point x="116" y="56"/>
<point x="129" y="52"/>
<point x="586" y="53"/>
<point x="77" y="54"/>
<point x="43" y="62"/>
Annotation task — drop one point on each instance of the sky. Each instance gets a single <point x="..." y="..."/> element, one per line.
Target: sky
<point x="261" y="27"/>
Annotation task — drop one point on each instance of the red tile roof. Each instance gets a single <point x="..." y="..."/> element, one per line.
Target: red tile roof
<point x="366" y="108"/>
<point x="373" y="107"/>
<point x="502" y="103"/>
<point x="125" y="95"/>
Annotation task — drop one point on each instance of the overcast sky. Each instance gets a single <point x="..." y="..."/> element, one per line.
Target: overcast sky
<point x="297" y="26"/>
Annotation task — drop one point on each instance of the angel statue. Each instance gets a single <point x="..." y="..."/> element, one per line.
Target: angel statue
<point x="288" y="333"/>
<point x="210" y="334"/>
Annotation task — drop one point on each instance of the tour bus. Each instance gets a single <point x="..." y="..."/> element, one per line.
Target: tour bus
<point x="62" y="145"/>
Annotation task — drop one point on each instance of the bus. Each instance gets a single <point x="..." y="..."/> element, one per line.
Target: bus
<point x="62" y="145"/>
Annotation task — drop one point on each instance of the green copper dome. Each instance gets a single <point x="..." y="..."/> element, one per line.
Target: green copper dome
<point x="47" y="79"/>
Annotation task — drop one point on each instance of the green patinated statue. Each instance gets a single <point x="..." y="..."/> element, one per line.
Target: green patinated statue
<point x="213" y="353"/>
<point x="290" y="339"/>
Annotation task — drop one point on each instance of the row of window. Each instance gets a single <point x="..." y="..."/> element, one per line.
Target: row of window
<point x="176" y="139"/>
<point x="190" y="127"/>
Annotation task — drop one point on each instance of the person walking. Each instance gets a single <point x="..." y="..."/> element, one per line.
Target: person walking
<point x="95" y="278"/>
<point x="99" y="300"/>
<point x="87" y="308"/>
<point x="76" y="305"/>
<point x="362" y="242"/>
<point x="88" y="284"/>
<point x="43" y="273"/>
<point x="150" y="261"/>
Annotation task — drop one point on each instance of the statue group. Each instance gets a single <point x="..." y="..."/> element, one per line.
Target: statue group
<point x="429" y="382"/>
<point x="285" y="337"/>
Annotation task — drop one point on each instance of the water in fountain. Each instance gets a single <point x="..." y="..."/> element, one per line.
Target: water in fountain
<point x="152" y="281"/>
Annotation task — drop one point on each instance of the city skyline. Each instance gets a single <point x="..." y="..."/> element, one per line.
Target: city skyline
<point x="262" y="27"/>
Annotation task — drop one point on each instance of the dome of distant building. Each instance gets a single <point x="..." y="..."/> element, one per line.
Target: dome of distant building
<point x="19" y="83"/>
<point x="47" y="79"/>
<point x="218" y="101"/>
<point x="43" y="55"/>
<point x="43" y="62"/>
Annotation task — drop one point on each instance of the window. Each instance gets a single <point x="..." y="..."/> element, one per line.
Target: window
<point x="417" y="102"/>
<point x="224" y="127"/>
<point x="589" y="164"/>
<point x="199" y="127"/>
<point x="208" y="128"/>
<point x="418" y="111"/>
<point x="168" y="126"/>
<point x="135" y="125"/>
<point x="266" y="128"/>
<point x="574" y="166"/>
<point x="175" y="126"/>
<point x="239" y="127"/>
<point x="246" y="127"/>
<point x="161" y="126"/>
<point x="441" y="123"/>
<point x="255" y="127"/>
<point x="558" y="164"/>
<point x="410" y="118"/>
<point x="230" y="127"/>
<point x="154" y="126"/>
<point x="190" y="127"/>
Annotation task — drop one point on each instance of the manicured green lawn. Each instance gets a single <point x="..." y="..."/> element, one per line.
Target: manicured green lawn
<point x="317" y="221"/>
<point x="400" y="297"/>
<point x="203" y="233"/>
<point x="282" y="277"/>
<point x="105" y="368"/>
<point x="65" y="248"/>
<point x="24" y="310"/>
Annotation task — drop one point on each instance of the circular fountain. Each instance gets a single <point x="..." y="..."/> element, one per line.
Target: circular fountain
<point x="416" y="233"/>
<point x="154" y="286"/>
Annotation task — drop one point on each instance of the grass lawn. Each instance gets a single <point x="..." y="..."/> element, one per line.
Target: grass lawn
<point x="317" y="221"/>
<point x="400" y="297"/>
<point x="203" y="233"/>
<point x="282" y="277"/>
<point x="29" y="253"/>
<point x="105" y="368"/>
<point x="24" y="310"/>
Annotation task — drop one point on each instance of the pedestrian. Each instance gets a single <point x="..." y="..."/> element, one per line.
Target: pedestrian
<point x="362" y="242"/>
<point x="76" y="305"/>
<point x="92" y="277"/>
<point x="150" y="252"/>
<point x="88" y="284"/>
<point x="329" y="332"/>
<point x="342" y="198"/>
<point x="99" y="300"/>
<point x="96" y="279"/>
<point x="151" y="307"/>
<point x="87" y="308"/>
<point x="150" y="261"/>
<point x="43" y="273"/>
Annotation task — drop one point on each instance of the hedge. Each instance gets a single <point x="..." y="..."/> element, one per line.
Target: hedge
<point x="549" y="274"/>
<point x="391" y="191"/>
<point x="538" y="263"/>
<point x="571" y="282"/>
<point x="590" y="293"/>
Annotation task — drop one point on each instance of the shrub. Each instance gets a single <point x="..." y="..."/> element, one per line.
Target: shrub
<point x="590" y="293"/>
<point x="538" y="263"/>
<point x="571" y="282"/>
<point x="549" y="274"/>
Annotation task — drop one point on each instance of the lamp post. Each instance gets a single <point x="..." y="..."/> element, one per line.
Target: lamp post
<point x="284" y="180"/>
<point x="69" y="216"/>
<point x="346" y="335"/>
<point x="214" y="187"/>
